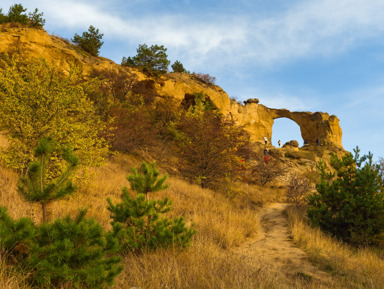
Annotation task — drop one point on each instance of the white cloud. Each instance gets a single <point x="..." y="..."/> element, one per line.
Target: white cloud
<point x="317" y="27"/>
<point x="307" y="28"/>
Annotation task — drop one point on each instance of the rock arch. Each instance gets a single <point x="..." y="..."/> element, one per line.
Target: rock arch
<point x="258" y="120"/>
<point x="314" y="127"/>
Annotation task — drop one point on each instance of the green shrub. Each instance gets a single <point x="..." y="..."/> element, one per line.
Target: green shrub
<point x="16" y="236"/>
<point x="349" y="202"/>
<point x="137" y="221"/>
<point x="138" y="224"/>
<point x="67" y="251"/>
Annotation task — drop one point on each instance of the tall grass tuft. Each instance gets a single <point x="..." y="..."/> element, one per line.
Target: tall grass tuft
<point x="356" y="268"/>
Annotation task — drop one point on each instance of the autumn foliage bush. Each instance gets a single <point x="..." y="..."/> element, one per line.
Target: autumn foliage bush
<point x="206" y="78"/>
<point x="37" y="100"/>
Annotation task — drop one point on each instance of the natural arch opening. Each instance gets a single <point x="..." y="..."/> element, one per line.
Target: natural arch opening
<point x="285" y="130"/>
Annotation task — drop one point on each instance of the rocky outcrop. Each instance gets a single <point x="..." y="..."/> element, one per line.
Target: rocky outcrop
<point x="315" y="127"/>
<point x="256" y="118"/>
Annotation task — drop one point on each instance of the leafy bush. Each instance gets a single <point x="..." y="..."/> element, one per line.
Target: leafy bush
<point x="36" y="100"/>
<point x="263" y="173"/>
<point x="90" y="41"/>
<point x="67" y="251"/>
<point x="116" y="86"/>
<point x="298" y="189"/>
<point x="349" y="202"/>
<point x="209" y="146"/>
<point x="206" y="78"/>
<point x="136" y="221"/>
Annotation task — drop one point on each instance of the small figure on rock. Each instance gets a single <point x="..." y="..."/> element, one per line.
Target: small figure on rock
<point x="279" y="143"/>
<point x="265" y="140"/>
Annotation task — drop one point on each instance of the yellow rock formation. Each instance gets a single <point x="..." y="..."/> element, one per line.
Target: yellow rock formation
<point x="256" y="118"/>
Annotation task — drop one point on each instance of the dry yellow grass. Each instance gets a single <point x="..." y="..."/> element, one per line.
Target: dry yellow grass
<point x="355" y="268"/>
<point x="221" y="225"/>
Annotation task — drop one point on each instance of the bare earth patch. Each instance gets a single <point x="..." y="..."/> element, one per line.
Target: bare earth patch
<point x="274" y="248"/>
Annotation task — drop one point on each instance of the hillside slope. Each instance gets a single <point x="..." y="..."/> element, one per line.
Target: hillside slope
<point x="256" y="118"/>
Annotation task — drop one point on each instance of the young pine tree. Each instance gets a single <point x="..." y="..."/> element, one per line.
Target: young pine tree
<point x="38" y="185"/>
<point x="64" y="252"/>
<point x="90" y="40"/>
<point x="73" y="251"/>
<point x="137" y="221"/>
<point x="147" y="180"/>
<point x="349" y="203"/>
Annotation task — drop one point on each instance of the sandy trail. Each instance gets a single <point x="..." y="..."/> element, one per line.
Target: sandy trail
<point x="275" y="247"/>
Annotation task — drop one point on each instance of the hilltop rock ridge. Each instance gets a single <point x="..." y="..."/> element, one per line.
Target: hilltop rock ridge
<point x="256" y="118"/>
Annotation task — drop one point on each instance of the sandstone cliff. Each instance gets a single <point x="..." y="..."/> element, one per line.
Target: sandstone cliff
<point x="256" y="118"/>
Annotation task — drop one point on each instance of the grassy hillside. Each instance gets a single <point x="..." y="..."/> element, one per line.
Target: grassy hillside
<point x="218" y="180"/>
<point x="221" y="224"/>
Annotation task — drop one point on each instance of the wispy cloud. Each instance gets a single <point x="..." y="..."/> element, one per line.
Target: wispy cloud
<point x="305" y="29"/>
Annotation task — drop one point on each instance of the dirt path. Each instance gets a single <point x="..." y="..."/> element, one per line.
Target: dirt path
<point x="275" y="247"/>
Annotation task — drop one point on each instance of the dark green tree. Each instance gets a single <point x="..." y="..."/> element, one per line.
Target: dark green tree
<point x="349" y="202"/>
<point x="90" y="41"/>
<point x="36" y="19"/>
<point x="66" y="252"/>
<point x="152" y="58"/>
<point x="128" y="61"/>
<point x="16" y="14"/>
<point x="177" y="66"/>
<point x="3" y="18"/>
<point x="16" y="236"/>
<point x="39" y="184"/>
<point x="74" y="251"/>
<point x="137" y="221"/>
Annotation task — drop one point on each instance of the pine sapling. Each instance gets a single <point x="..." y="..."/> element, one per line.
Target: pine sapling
<point x="147" y="180"/>
<point x="38" y="185"/>
<point x="137" y="221"/>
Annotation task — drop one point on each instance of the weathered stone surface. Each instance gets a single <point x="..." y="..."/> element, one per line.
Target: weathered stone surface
<point x="292" y="143"/>
<point x="256" y="118"/>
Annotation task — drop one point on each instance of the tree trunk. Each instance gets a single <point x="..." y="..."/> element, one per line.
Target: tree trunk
<point x="44" y="207"/>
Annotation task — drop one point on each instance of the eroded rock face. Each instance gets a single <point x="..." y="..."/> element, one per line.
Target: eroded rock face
<point x="314" y="127"/>
<point x="256" y="118"/>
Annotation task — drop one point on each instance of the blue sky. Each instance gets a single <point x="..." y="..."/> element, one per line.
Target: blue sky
<point x="303" y="55"/>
